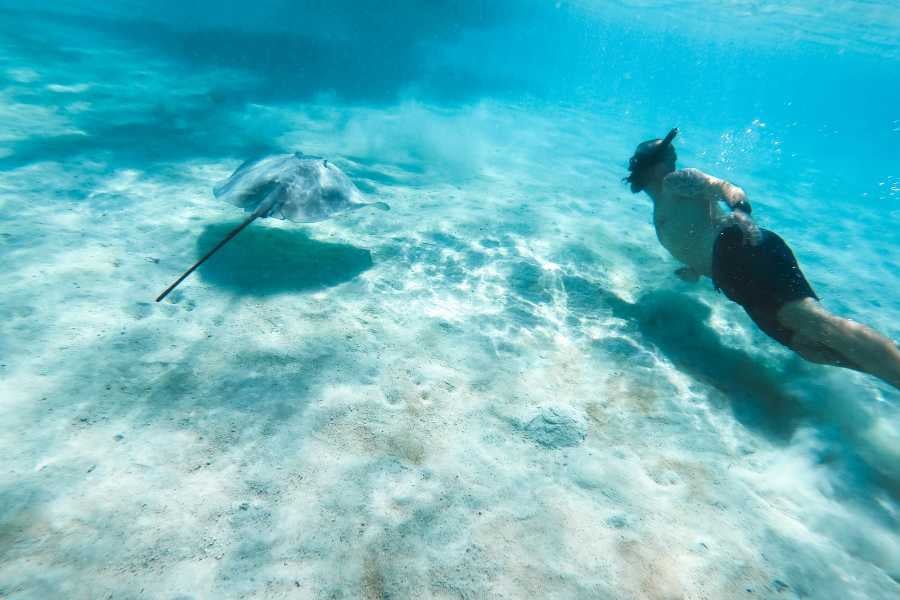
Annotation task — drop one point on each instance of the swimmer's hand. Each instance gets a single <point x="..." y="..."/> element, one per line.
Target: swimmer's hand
<point x="752" y="233"/>
<point x="687" y="274"/>
<point x="736" y="198"/>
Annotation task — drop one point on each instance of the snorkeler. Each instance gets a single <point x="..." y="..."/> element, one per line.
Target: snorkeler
<point x="752" y="266"/>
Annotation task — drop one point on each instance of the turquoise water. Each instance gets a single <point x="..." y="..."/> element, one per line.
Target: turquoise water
<point x="497" y="389"/>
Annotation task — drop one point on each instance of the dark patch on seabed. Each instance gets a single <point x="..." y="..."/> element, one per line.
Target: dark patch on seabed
<point x="160" y="135"/>
<point x="297" y="60"/>
<point x="675" y="324"/>
<point x="263" y="261"/>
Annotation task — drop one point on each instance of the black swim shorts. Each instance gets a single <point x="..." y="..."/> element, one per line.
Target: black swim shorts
<point x="761" y="278"/>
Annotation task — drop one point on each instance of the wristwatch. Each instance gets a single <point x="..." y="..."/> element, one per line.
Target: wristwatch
<point x="742" y="206"/>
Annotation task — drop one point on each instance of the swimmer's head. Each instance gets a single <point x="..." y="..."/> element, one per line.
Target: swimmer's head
<point x="653" y="158"/>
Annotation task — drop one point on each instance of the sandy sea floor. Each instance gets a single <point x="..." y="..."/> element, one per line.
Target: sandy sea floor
<point x="497" y="389"/>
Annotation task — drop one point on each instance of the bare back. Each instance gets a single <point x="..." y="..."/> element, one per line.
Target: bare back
<point x="688" y="218"/>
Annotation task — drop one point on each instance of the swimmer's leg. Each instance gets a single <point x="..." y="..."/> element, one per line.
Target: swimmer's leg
<point x="822" y="337"/>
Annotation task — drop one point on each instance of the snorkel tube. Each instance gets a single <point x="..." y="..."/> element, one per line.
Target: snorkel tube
<point x="666" y="141"/>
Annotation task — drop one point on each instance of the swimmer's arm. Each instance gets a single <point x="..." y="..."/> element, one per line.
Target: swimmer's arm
<point x="736" y="200"/>
<point x="752" y="233"/>
<point x="734" y="197"/>
<point x="694" y="183"/>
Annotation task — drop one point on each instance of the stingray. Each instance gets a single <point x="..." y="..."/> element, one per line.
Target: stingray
<point x="296" y="187"/>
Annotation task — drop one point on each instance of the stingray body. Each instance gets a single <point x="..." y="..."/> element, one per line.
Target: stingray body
<point x="299" y="188"/>
<point x="296" y="187"/>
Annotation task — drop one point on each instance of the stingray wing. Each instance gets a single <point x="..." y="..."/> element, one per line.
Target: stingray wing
<point x="254" y="180"/>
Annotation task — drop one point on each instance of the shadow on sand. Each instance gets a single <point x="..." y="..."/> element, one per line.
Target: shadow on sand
<point x="675" y="324"/>
<point x="263" y="261"/>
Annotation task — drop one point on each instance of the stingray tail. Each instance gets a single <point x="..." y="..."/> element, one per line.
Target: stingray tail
<point x="224" y="241"/>
<point x="261" y="211"/>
